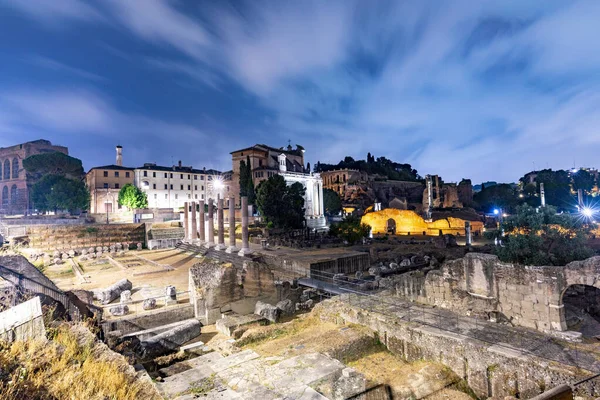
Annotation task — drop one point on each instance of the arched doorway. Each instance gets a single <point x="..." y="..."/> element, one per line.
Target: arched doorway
<point x="391" y="226"/>
<point x="582" y="309"/>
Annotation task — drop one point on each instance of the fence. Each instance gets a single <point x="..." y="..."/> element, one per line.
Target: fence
<point x="363" y="293"/>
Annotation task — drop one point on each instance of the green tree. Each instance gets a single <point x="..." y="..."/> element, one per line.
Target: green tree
<point x="543" y="237"/>
<point x="557" y="188"/>
<point x="56" y="192"/>
<point x="331" y="202"/>
<point x="498" y="196"/>
<point x="350" y="229"/>
<point x="132" y="197"/>
<point x="250" y="192"/>
<point x="243" y="179"/>
<point x="583" y="180"/>
<point x="281" y="205"/>
<point x="52" y="164"/>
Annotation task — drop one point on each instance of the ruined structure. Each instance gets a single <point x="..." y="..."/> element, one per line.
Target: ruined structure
<point x="14" y="189"/>
<point x="406" y="222"/>
<point x="529" y="296"/>
<point x="446" y="195"/>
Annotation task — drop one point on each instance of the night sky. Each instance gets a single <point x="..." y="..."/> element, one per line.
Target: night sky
<point x="487" y="90"/>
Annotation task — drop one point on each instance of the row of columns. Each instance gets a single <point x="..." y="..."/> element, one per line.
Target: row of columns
<point x="192" y="230"/>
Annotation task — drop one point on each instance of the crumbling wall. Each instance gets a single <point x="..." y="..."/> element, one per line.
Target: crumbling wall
<point x="529" y="296"/>
<point x="216" y="287"/>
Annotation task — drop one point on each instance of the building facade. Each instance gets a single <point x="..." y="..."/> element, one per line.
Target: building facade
<point x="104" y="184"/>
<point x="340" y="180"/>
<point x="266" y="161"/>
<point x="14" y="190"/>
<point x="171" y="187"/>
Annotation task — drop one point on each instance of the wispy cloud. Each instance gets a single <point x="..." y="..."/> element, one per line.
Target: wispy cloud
<point x="52" y="12"/>
<point x="54" y="65"/>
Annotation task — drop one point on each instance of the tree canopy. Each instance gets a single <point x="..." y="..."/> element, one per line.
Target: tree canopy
<point x="331" y="202"/>
<point x="543" y="237"/>
<point x="350" y="229"/>
<point x="56" y="192"/>
<point x="498" y="196"/>
<point x="54" y="163"/>
<point x="282" y="206"/>
<point x="583" y="180"/>
<point x="132" y="197"/>
<point x="382" y="166"/>
<point x="246" y="181"/>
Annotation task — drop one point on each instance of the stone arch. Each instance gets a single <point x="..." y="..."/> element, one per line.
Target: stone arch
<point x="15" y="168"/>
<point x="6" y="172"/>
<point x="1" y="164"/>
<point x="390" y="226"/>
<point x="13" y="194"/>
<point x="581" y="309"/>
<point x="5" y="196"/>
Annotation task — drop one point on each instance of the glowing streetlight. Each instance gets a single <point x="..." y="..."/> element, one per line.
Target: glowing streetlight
<point x="218" y="184"/>
<point x="587" y="212"/>
<point x="496" y="211"/>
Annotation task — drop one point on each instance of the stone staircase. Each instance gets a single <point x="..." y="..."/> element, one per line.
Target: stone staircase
<point x="247" y="375"/>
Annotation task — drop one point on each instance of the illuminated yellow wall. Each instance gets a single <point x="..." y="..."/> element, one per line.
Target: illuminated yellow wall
<point x="410" y="222"/>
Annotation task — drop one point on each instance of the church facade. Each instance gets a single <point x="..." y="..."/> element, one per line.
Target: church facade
<point x="266" y="161"/>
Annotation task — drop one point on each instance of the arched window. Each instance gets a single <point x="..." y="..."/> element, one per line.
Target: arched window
<point x="5" y="196"/>
<point x="13" y="194"/>
<point x="15" y="168"/>
<point x="6" y="173"/>
<point x="0" y="170"/>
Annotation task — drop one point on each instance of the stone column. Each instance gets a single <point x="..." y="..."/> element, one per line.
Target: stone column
<point x="468" y="233"/>
<point x="202" y="229"/>
<point x="194" y="227"/>
<point x="231" y="248"/>
<point x="245" y="245"/>
<point x="220" y="224"/>
<point x="542" y="194"/>
<point x="186" y="221"/>
<point x="211" y="224"/>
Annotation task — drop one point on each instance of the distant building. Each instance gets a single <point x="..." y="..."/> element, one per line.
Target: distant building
<point x="171" y="187"/>
<point x="342" y="180"/>
<point x="105" y="183"/>
<point x="14" y="190"/>
<point x="267" y="161"/>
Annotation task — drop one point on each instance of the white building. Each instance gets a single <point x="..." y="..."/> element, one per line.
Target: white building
<point x="171" y="187"/>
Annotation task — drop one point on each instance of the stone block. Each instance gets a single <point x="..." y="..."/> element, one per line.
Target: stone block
<point x="287" y="307"/>
<point x="267" y="311"/>
<point x="171" y="339"/>
<point x="125" y="296"/>
<point x="149" y="304"/>
<point x="119" y="310"/>
<point x="114" y="291"/>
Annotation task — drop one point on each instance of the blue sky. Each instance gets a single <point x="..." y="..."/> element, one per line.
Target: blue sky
<point x="478" y="89"/>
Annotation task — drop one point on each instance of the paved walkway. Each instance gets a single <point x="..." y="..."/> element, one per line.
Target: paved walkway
<point x="503" y="338"/>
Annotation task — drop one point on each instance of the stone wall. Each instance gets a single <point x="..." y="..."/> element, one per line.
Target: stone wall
<point x="149" y="319"/>
<point x="216" y="287"/>
<point x="490" y="370"/>
<point x="64" y="238"/>
<point x="480" y="284"/>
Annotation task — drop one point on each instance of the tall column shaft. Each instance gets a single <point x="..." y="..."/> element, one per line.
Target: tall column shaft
<point x="231" y="248"/>
<point x="194" y="226"/>
<point x="211" y="224"/>
<point x="220" y="224"/>
<point x="245" y="244"/>
<point x="468" y="233"/>
<point x="202" y="229"/>
<point x="186" y="221"/>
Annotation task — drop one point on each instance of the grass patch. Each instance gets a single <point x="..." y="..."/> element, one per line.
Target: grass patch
<point x="71" y="364"/>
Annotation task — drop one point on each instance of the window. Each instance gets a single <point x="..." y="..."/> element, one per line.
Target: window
<point x="154" y="186"/>
<point x="181" y="187"/>
<point x="171" y="176"/>
<point x="106" y="174"/>
<point x="195" y="177"/>
<point x="210" y="178"/>
<point x="195" y="187"/>
<point x="180" y="176"/>
<point x="154" y="174"/>
<point x="201" y="177"/>
<point x="188" y="176"/>
<point x="116" y="185"/>
<point x="165" y="174"/>
<point x="175" y="197"/>
<point x="202" y="197"/>
<point x="13" y="194"/>
<point x="145" y="173"/>
<point x="116" y="174"/>
<point x="127" y="174"/>
<point x="260" y="163"/>
<point x="189" y="187"/>
<point x="155" y="196"/>
<point x="196" y="197"/>
<point x="189" y="196"/>
<point x="201" y="187"/>
<point x="106" y="186"/>
<point x="166" y="196"/>
<point x="171" y="187"/>
<point x="166" y="187"/>
<point x="5" y="196"/>
<point x="15" y="168"/>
